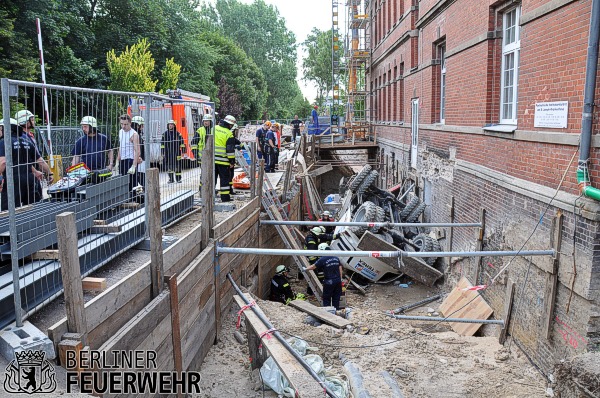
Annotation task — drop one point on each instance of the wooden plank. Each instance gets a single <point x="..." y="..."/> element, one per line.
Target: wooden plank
<point x="207" y="190"/>
<point x="45" y="255"/>
<point x="242" y="227"/>
<point x="155" y="231"/>
<point x="319" y="313"/>
<point x="94" y="284"/>
<point x="321" y="170"/>
<point x="130" y="205"/>
<point x="552" y="277"/>
<point x="99" y="222"/>
<point x="71" y="274"/>
<point x="231" y="223"/>
<point x="451" y="231"/>
<point x="69" y="345"/>
<point x="455" y="306"/>
<point x="414" y="267"/>
<point x="299" y="379"/>
<point x="508" y="303"/>
<point x="175" y="331"/>
<point x="105" y="229"/>
<point x="479" y="245"/>
<point x="202" y="326"/>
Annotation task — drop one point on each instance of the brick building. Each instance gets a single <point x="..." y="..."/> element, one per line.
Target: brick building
<point x="453" y="90"/>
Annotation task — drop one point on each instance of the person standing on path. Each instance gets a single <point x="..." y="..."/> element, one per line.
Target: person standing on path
<point x="129" y="151"/>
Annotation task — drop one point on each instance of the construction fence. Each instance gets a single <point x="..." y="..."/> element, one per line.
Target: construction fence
<point x="87" y="151"/>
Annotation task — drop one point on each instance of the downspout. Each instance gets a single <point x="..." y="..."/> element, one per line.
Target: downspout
<point x="583" y="175"/>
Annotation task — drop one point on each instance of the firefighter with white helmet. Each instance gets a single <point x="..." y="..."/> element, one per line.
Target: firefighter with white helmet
<point x="199" y="140"/>
<point x="224" y="156"/>
<point x="170" y="146"/>
<point x="331" y="269"/>
<point x="280" y="287"/>
<point x="13" y="122"/>
<point x="92" y="147"/>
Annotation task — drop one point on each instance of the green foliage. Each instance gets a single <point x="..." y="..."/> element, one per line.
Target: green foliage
<point x="130" y="71"/>
<point x="170" y="75"/>
<point x="317" y="64"/>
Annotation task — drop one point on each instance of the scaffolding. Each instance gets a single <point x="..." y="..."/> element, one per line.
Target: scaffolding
<point x="335" y="65"/>
<point x="358" y="58"/>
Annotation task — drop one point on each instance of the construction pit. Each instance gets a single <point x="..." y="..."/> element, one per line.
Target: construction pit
<point x="359" y="351"/>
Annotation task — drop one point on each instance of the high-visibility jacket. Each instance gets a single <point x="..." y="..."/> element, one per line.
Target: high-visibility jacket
<point x="199" y="142"/>
<point x="224" y="146"/>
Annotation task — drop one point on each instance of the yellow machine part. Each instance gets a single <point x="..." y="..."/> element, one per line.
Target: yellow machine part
<point x="56" y="167"/>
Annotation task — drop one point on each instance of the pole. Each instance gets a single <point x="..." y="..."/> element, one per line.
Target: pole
<point x="252" y="177"/>
<point x="207" y="190"/>
<point x="12" y="223"/>
<point x="44" y="92"/>
<point x="376" y="254"/>
<point x="368" y="224"/>
<point x="71" y="274"/>
<point x="155" y="231"/>
<point x="147" y="151"/>
<point x="407" y="307"/>
<point x="441" y="319"/>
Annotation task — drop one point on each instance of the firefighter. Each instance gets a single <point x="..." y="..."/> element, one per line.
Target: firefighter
<point x="261" y="135"/>
<point x="270" y="150"/>
<point x="280" y="287"/>
<point x="224" y="156"/>
<point x="200" y="138"/>
<point x="326" y="216"/>
<point x="26" y="121"/>
<point x="24" y="155"/>
<point x="12" y="121"/>
<point x="170" y="146"/>
<point x="92" y="148"/>
<point x="331" y="268"/>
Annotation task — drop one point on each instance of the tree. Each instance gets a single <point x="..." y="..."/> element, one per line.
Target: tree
<point x="229" y="101"/>
<point x="317" y="64"/>
<point x="131" y="70"/>
<point x="170" y="75"/>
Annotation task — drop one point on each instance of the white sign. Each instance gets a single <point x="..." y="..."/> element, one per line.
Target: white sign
<point x="551" y="114"/>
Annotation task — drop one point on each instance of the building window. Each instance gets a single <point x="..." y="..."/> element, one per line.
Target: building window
<point x="511" y="44"/>
<point x="442" y="58"/>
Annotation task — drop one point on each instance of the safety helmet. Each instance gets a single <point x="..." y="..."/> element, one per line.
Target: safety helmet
<point x="327" y="213"/>
<point x="89" y="120"/>
<point x="137" y="119"/>
<point x="235" y="127"/>
<point x="207" y="116"/>
<point x="23" y="116"/>
<point x="230" y="119"/>
<point x="324" y="246"/>
<point x="316" y="230"/>
<point x="280" y="269"/>
<point x="12" y="121"/>
<point x="172" y="122"/>
<point x="267" y="124"/>
<point x="323" y="229"/>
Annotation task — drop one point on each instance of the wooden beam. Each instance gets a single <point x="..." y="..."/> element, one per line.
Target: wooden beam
<point x="71" y="274"/>
<point x="207" y="190"/>
<point x="252" y="175"/>
<point x="232" y="222"/>
<point x="105" y="229"/>
<point x="94" y="284"/>
<point x="99" y="222"/>
<point x="176" y="333"/>
<point x="319" y="313"/>
<point x="552" y="277"/>
<point x="45" y="255"/>
<point x="321" y="170"/>
<point x="508" y="302"/>
<point x="155" y="231"/>
<point x="479" y="244"/>
<point x="451" y="231"/>
<point x="69" y="345"/>
<point x="131" y="205"/>
<point x="299" y="379"/>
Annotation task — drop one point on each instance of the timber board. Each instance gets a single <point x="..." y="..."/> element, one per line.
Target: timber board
<point x="457" y="301"/>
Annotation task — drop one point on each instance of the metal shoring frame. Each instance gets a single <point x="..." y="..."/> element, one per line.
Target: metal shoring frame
<point x="369" y="224"/>
<point x="399" y="253"/>
<point x="12" y="215"/>
<point x="441" y="319"/>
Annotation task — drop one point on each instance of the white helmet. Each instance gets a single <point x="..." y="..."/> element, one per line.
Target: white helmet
<point x="316" y="230"/>
<point x="89" y="120"/>
<point x="323" y="229"/>
<point x="23" y="116"/>
<point x="323" y="246"/>
<point x="234" y="127"/>
<point x="137" y="119"/>
<point x="230" y="119"/>
<point x="280" y="269"/>
<point x="172" y="122"/>
<point x="327" y="213"/>
<point x="207" y="116"/>
<point x="12" y="121"/>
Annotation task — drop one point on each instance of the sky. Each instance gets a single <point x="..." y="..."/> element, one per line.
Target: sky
<point x="301" y="17"/>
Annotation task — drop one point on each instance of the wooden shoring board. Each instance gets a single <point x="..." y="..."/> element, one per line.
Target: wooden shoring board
<point x="231" y="223"/>
<point x="476" y="309"/>
<point x="299" y="379"/>
<point x="319" y="313"/>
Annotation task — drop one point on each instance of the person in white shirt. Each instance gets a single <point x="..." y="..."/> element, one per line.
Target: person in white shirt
<point x="128" y="155"/>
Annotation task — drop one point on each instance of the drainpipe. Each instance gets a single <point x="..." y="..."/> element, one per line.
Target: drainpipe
<point x="583" y="175"/>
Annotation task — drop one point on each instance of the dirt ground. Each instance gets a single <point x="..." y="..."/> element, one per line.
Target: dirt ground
<point x="426" y="360"/>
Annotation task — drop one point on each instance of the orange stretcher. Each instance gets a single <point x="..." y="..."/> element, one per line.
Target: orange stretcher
<point x="241" y="181"/>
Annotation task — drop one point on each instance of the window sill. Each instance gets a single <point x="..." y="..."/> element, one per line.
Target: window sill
<point x="501" y="128"/>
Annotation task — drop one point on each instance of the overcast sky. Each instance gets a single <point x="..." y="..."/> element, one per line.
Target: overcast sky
<point x="301" y="16"/>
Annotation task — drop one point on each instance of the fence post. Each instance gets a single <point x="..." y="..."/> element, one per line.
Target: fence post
<point x="208" y="190"/>
<point x="68" y="253"/>
<point x="147" y="150"/>
<point x="252" y="177"/>
<point x="155" y="230"/>
<point x="12" y="222"/>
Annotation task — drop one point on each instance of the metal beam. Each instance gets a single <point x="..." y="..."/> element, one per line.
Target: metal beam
<point x="370" y="224"/>
<point x="399" y="253"/>
<point x="441" y="319"/>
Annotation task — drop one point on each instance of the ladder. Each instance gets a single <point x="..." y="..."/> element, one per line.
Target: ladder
<point x="275" y="210"/>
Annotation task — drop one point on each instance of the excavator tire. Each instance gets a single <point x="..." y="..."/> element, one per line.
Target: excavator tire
<point x="367" y="182"/>
<point x="414" y="216"/>
<point x="412" y="203"/>
<point x="367" y="212"/>
<point x="436" y="248"/>
<point x="396" y="236"/>
<point x="386" y="237"/>
<point x="359" y="177"/>
<point x="425" y="243"/>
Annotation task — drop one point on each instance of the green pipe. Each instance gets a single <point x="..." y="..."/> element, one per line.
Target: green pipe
<point x="583" y="179"/>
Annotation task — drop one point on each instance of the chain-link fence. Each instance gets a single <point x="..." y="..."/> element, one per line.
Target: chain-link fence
<point x="87" y="154"/>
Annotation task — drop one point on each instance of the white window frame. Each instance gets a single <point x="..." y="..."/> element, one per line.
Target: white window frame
<point x="513" y="48"/>
<point x="442" y="52"/>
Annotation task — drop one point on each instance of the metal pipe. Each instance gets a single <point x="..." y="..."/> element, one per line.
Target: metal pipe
<point x="12" y="214"/>
<point x="441" y="319"/>
<point x="358" y="253"/>
<point x="371" y="224"/>
<point x="355" y="378"/>
<point x="415" y="305"/>
<point x="71" y="88"/>
<point x="583" y="176"/>
<point x="278" y="336"/>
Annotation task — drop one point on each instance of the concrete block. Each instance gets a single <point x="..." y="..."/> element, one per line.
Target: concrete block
<point x="224" y="207"/>
<point x="27" y="337"/>
<point x="167" y="240"/>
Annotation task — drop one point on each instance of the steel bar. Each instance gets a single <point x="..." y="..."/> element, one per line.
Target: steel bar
<point x="399" y="253"/>
<point x="70" y="88"/>
<point x="442" y="319"/>
<point x="370" y="224"/>
<point x="415" y="305"/>
<point x="278" y="336"/>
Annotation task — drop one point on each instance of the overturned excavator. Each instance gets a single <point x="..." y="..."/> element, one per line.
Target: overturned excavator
<point x="362" y="201"/>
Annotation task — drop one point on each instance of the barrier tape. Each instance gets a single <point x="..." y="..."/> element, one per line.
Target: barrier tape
<point x="241" y="311"/>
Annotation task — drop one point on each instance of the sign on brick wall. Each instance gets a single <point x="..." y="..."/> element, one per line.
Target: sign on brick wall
<point x="551" y="114"/>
